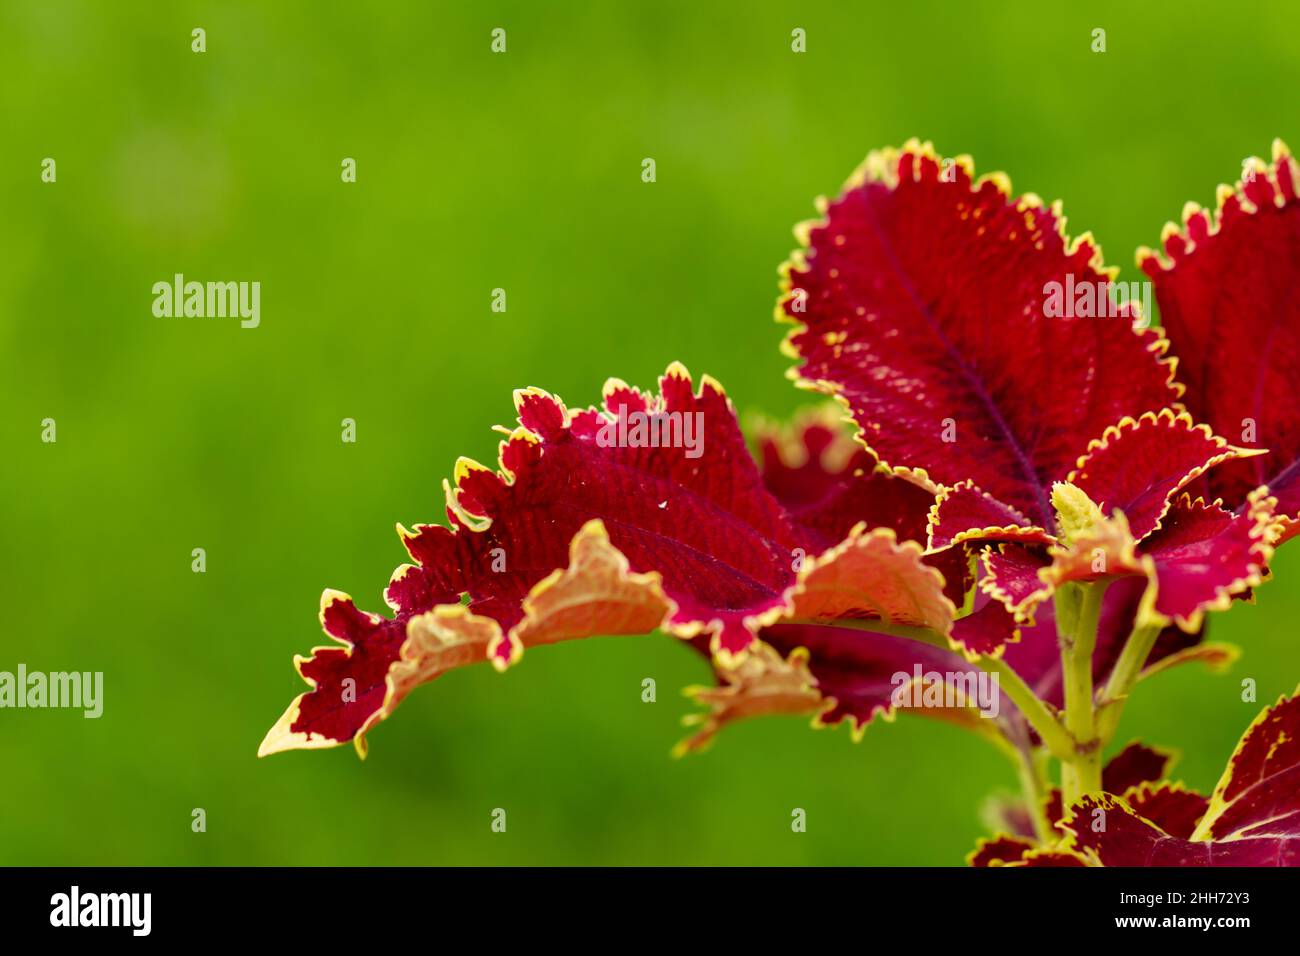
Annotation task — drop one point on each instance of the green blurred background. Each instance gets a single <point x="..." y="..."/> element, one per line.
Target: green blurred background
<point x="478" y="171"/>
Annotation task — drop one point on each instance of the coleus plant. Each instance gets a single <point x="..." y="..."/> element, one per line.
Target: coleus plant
<point x="1049" y="504"/>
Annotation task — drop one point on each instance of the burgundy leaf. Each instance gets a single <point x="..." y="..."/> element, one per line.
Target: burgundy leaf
<point x="1226" y="289"/>
<point x="920" y="304"/>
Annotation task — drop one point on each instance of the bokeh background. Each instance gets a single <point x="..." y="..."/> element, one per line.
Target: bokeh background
<point x="478" y="171"/>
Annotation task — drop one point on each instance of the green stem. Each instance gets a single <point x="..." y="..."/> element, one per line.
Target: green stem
<point x="1110" y="704"/>
<point x="1078" y="610"/>
<point x="1034" y="709"/>
<point x="1031" y="785"/>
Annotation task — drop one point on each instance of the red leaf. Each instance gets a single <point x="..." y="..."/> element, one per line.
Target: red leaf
<point x="1011" y="575"/>
<point x="1130" y="839"/>
<point x="964" y="513"/>
<point x="349" y="683"/>
<point x="921" y="303"/>
<point x="1139" y="464"/>
<point x="1226" y="289"/>
<point x="1135" y="764"/>
<point x="828" y="483"/>
<point x="1000" y="851"/>
<point x="1252" y="819"/>
<point x="987" y="629"/>
<point x="586" y="530"/>
<point x="1206" y="557"/>
<point x="724" y="546"/>
<point x="1169" y="806"/>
